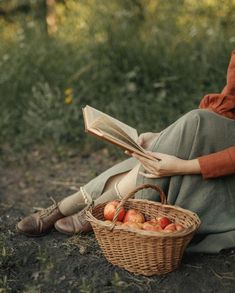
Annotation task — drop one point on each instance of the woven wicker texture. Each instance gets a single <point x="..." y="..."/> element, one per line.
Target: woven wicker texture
<point x="144" y="252"/>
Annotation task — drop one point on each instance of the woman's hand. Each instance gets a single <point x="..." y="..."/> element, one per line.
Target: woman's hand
<point x="167" y="165"/>
<point x="145" y="139"/>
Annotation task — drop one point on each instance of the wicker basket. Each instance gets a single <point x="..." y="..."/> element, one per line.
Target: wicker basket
<point x="139" y="251"/>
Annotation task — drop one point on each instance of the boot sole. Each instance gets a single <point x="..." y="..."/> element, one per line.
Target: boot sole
<point x="30" y="235"/>
<point x="63" y="232"/>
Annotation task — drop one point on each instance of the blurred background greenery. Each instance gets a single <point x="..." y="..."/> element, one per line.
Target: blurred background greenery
<point x="145" y="62"/>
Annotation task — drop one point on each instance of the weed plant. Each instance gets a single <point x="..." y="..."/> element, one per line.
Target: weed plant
<point x="144" y="62"/>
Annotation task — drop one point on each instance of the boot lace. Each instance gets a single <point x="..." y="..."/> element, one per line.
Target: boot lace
<point x="46" y="212"/>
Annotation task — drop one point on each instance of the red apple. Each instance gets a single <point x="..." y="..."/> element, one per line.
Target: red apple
<point x="108" y="222"/>
<point x="170" y="228"/>
<point x="179" y="227"/>
<point x="134" y="216"/>
<point x="155" y="221"/>
<point x="151" y="226"/>
<point x="163" y="221"/>
<point x="109" y="211"/>
<point x="132" y="225"/>
<point x="119" y="223"/>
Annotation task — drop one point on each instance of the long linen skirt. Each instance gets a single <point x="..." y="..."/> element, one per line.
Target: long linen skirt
<point x="197" y="133"/>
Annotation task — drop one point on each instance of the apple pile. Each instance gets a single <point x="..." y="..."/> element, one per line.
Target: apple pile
<point x="135" y="219"/>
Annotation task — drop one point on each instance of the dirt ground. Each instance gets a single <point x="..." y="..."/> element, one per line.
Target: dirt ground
<point x="58" y="263"/>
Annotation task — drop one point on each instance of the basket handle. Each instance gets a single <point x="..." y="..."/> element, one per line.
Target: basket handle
<point x="132" y="193"/>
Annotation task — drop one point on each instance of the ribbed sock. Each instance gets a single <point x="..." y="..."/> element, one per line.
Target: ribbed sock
<point x="110" y="194"/>
<point x="72" y="204"/>
<point x="76" y="202"/>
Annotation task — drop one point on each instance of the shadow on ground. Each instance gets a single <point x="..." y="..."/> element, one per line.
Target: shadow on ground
<point x="58" y="263"/>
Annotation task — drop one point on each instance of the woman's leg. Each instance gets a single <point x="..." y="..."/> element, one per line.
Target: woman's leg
<point x="76" y="202"/>
<point x="119" y="185"/>
<point x="94" y="191"/>
<point x="41" y="222"/>
<point x="116" y="187"/>
<point x="198" y="133"/>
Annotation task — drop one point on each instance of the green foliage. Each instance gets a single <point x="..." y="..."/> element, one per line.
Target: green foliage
<point x="144" y="62"/>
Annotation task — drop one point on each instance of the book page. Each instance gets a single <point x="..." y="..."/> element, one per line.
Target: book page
<point x="113" y="139"/>
<point x="92" y="114"/>
<point x="106" y="125"/>
<point x="112" y="130"/>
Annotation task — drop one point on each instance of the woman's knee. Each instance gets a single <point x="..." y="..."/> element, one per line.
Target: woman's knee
<point x="113" y="180"/>
<point x="193" y="117"/>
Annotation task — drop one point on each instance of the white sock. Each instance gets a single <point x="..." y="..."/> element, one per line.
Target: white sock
<point x="72" y="204"/>
<point x="110" y="194"/>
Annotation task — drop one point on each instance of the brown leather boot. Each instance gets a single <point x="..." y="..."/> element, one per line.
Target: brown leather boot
<point x="40" y="223"/>
<point x="76" y="223"/>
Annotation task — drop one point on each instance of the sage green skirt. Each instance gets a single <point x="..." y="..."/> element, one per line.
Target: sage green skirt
<point x="197" y="133"/>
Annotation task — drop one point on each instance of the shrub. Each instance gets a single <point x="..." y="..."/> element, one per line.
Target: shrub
<point x="144" y="62"/>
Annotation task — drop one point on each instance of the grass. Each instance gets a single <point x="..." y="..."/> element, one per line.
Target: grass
<point x="145" y="64"/>
<point x="6" y="257"/>
<point x="58" y="263"/>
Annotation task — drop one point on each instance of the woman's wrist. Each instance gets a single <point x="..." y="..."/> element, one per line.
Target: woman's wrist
<point x="190" y="167"/>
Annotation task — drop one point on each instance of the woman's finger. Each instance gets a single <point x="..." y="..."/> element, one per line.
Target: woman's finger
<point x="141" y="158"/>
<point x="149" y="169"/>
<point x="158" y="156"/>
<point x="149" y="165"/>
<point x="128" y="153"/>
<point x="148" y="175"/>
<point x="140" y="140"/>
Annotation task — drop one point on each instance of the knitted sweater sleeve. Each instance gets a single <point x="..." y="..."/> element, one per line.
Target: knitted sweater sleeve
<point x="223" y="162"/>
<point x="218" y="164"/>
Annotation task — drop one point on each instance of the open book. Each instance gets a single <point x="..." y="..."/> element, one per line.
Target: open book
<point x="112" y="130"/>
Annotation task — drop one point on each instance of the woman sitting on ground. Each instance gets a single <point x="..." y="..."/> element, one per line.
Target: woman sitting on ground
<point x="196" y="170"/>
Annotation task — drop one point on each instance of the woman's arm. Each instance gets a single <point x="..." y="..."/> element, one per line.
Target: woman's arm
<point x="167" y="165"/>
<point x="214" y="165"/>
<point x="218" y="164"/>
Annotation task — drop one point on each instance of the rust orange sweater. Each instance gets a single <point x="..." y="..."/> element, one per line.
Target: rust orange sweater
<point x="221" y="163"/>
